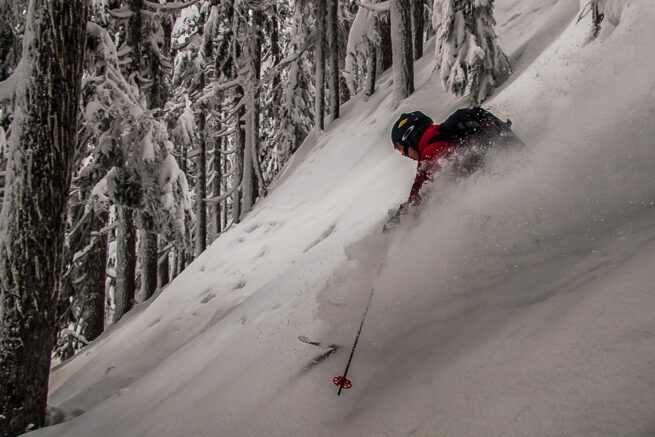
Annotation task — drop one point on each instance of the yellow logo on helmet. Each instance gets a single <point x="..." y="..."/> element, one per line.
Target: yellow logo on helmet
<point x="402" y="123"/>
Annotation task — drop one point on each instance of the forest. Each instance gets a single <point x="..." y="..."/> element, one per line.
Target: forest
<point x="134" y="133"/>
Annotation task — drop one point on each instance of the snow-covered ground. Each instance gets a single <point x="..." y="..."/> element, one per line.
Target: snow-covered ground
<point x="519" y="302"/>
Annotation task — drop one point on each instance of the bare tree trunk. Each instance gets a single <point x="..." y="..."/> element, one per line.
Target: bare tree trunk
<point x="319" y="59"/>
<point x="239" y="134"/>
<point x="223" y="183"/>
<point x="125" y="263"/>
<point x="33" y="218"/>
<point x="385" y="52"/>
<point x="240" y="146"/>
<point x="93" y="312"/>
<point x="216" y="186"/>
<point x="149" y="266"/>
<point x="252" y="180"/>
<point x="201" y="184"/>
<point x="371" y="62"/>
<point x="403" y="64"/>
<point x="333" y="57"/>
<point x="418" y="27"/>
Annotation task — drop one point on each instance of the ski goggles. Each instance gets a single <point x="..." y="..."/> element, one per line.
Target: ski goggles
<point x="402" y="149"/>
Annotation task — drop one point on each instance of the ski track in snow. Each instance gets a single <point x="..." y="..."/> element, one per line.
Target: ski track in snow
<point x="519" y="302"/>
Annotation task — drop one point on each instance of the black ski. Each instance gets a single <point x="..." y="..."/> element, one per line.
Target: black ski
<point x="329" y="350"/>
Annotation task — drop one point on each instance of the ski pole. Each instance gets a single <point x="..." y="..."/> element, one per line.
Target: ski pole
<point x="342" y="381"/>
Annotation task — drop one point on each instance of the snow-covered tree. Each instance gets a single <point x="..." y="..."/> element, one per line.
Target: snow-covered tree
<point x="319" y="61"/>
<point x="361" y="51"/>
<point x="467" y="53"/>
<point x="418" y="26"/>
<point x="143" y="34"/>
<point x="402" y="48"/>
<point x="384" y="55"/>
<point x="12" y="26"/>
<point x="132" y="163"/>
<point x="295" y="106"/>
<point x="333" y="55"/>
<point x="600" y="10"/>
<point x="371" y="49"/>
<point x="81" y="307"/>
<point x="33" y="219"/>
<point x="252" y="182"/>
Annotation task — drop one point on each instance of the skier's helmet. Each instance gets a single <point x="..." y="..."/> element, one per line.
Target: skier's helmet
<point x="408" y="130"/>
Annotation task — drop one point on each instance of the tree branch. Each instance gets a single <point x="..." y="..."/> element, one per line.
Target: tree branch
<point x="175" y="6"/>
<point x="384" y="6"/>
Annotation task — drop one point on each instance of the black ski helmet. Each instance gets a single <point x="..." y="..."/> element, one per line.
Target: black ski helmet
<point x="408" y="130"/>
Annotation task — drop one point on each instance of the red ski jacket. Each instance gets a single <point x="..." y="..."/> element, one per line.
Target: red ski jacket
<point x="429" y="154"/>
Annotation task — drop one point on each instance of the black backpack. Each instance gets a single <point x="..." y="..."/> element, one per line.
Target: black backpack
<point x="476" y="127"/>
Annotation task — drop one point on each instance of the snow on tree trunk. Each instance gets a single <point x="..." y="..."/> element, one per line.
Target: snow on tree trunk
<point x="125" y="263"/>
<point x="467" y="55"/>
<point x="33" y="218"/>
<point x="319" y="60"/>
<point x="163" y="268"/>
<point x="333" y="56"/>
<point x="361" y="51"/>
<point x="148" y="249"/>
<point x="401" y="43"/>
<point x="418" y="27"/>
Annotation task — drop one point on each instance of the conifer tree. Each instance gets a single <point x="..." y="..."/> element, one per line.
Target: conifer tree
<point x="418" y="24"/>
<point x="319" y="62"/>
<point x="401" y="43"/>
<point x="32" y="222"/>
<point x="467" y="53"/>
<point x="332" y="30"/>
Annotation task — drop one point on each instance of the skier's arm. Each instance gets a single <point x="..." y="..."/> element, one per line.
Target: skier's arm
<point x="427" y="166"/>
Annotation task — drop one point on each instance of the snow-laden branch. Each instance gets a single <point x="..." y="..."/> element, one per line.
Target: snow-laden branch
<point x="175" y="6"/>
<point x="384" y="6"/>
<point x="259" y="5"/>
<point x="224" y="132"/>
<point x="164" y="61"/>
<point x="217" y="87"/>
<point x="8" y="86"/>
<point x="121" y="13"/>
<point x="217" y="199"/>
<point x="70" y="333"/>
<point x="110" y="227"/>
<point x="309" y="42"/>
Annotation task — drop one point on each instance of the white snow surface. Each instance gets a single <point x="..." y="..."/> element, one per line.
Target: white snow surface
<point x="519" y="302"/>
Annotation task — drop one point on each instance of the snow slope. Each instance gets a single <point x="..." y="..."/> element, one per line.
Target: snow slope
<point x="519" y="301"/>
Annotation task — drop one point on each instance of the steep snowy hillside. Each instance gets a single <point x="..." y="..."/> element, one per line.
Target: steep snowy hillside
<point x="518" y="302"/>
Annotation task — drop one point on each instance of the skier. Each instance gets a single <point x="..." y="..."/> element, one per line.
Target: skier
<point x="470" y="132"/>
